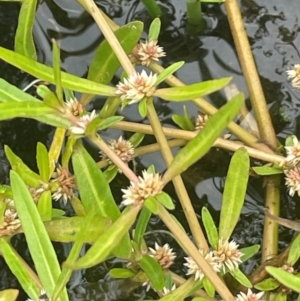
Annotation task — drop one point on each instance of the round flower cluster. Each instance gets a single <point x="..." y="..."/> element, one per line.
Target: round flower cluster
<point x="164" y="255"/>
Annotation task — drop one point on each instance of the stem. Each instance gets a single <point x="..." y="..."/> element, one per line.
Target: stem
<point x="114" y="158"/>
<point x="209" y="109"/>
<point x="188" y="135"/>
<point x="194" y="12"/>
<point x="110" y="37"/>
<point x="177" y="181"/>
<point x="152" y="7"/>
<point x="184" y="240"/>
<point x="262" y="114"/>
<point x="270" y="241"/>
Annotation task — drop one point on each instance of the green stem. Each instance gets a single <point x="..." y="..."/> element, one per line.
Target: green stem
<point x="177" y="181"/>
<point x="206" y="268"/>
<point x="153" y="8"/>
<point x="194" y="12"/>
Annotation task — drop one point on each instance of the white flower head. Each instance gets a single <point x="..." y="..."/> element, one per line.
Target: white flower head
<point x="137" y="86"/>
<point x="65" y="184"/>
<point x="293" y="152"/>
<point x="10" y="221"/>
<point x="148" y="185"/>
<point x="294" y="74"/>
<point x="228" y="254"/>
<point x="292" y="180"/>
<point x="194" y="269"/>
<point x="122" y="148"/>
<point x="166" y="291"/>
<point x="201" y="120"/>
<point x="249" y="297"/>
<point x="74" y="106"/>
<point x="164" y="255"/>
<point x="149" y="51"/>
<point x="83" y="122"/>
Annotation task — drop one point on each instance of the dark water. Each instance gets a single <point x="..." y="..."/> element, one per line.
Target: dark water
<point x="272" y="28"/>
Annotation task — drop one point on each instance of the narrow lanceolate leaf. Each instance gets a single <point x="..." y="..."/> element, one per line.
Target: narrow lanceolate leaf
<point x="66" y="229"/>
<point x="28" y="176"/>
<point x="43" y="161"/>
<point x="234" y="192"/>
<point x="168" y="71"/>
<point x="10" y="92"/>
<point x="46" y="73"/>
<point x="287" y="279"/>
<point x="241" y="277"/>
<point x="268" y="284"/>
<point x="154" y="29"/>
<point x="18" y="267"/>
<point x="45" y="206"/>
<point x="199" y="146"/>
<point x="267" y="170"/>
<point x="39" y="244"/>
<point x="56" y="71"/>
<point x="27" y="109"/>
<point x="107" y="241"/>
<point x="294" y="253"/>
<point x="141" y="226"/>
<point x="95" y="192"/>
<point x="9" y="294"/>
<point x="210" y="228"/>
<point x="24" y="43"/>
<point x="121" y="273"/>
<point x="248" y="252"/>
<point x="181" y="292"/>
<point x="153" y="270"/>
<point x="192" y="91"/>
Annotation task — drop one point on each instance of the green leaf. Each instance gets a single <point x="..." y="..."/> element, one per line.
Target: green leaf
<point x="234" y="192"/>
<point x="184" y="122"/>
<point x="249" y="252"/>
<point x="151" y="204"/>
<point x="294" y="252"/>
<point x="241" y="277"/>
<point x="9" y="294"/>
<point x="166" y="200"/>
<point x="289" y="280"/>
<point x="46" y="73"/>
<point x="121" y="273"/>
<point x="45" y="206"/>
<point x="153" y="270"/>
<point x="95" y="192"/>
<point x="65" y="275"/>
<point x="39" y="244"/>
<point x="210" y="228"/>
<point x="10" y="92"/>
<point x="199" y="146"/>
<point x="267" y="170"/>
<point x="24" y="43"/>
<point x="66" y="229"/>
<point x="154" y="29"/>
<point x="143" y="107"/>
<point x="110" y="173"/>
<point x="208" y="286"/>
<point x="107" y="241"/>
<point x="29" y="177"/>
<point x="136" y="139"/>
<point x="192" y="91"/>
<point x="100" y="124"/>
<point x="19" y="269"/>
<point x="43" y="161"/>
<point x="268" y="284"/>
<point x="29" y="109"/>
<point x="181" y="292"/>
<point x="281" y="297"/>
<point x="50" y="98"/>
<point x="141" y="226"/>
<point x="167" y="72"/>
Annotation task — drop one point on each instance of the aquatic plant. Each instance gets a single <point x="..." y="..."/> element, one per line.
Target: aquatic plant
<point x="117" y="227"/>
